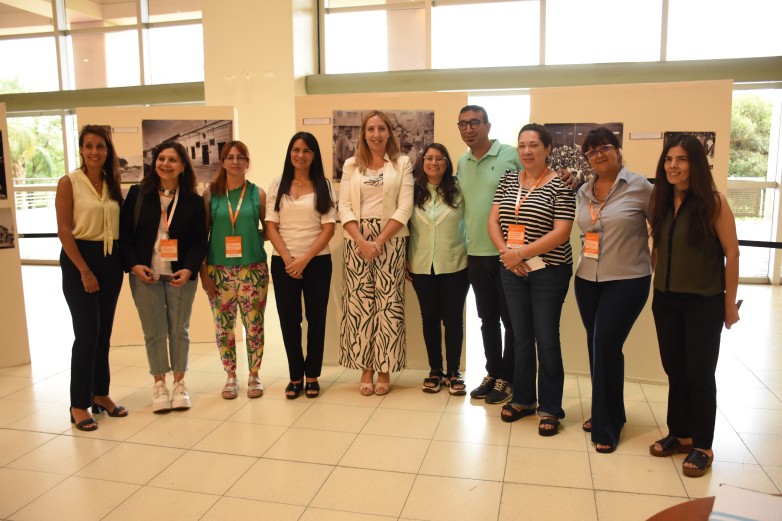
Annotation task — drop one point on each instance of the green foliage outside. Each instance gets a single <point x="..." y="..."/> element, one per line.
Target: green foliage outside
<point x="750" y="132"/>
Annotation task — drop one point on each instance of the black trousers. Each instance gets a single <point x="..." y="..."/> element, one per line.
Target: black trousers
<point x="609" y="310"/>
<point x="441" y="298"/>
<point x="484" y="276"/>
<point x="314" y="286"/>
<point x="688" y="331"/>
<point x="93" y="317"/>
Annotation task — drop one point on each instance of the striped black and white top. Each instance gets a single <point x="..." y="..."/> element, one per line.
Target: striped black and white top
<point x="546" y="204"/>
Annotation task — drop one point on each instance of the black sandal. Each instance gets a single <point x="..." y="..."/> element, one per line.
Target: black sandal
<point x="587" y="425"/>
<point x="701" y="460"/>
<point x="86" y="425"/>
<point x="515" y="414"/>
<point x="608" y="449"/>
<point x="669" y="445"/>
<point x="433" y="382"/>
<point x="546" y="421"/>
<point x="293" y="390"/>
<point x="312" y="389"/>
<point x="118" y="412"/>
<point x="456" y="385"/>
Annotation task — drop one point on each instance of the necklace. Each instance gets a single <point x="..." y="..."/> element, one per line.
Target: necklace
<point x="299" y="183"/>
<point x="529" y="183"/>
<point x="594" y="193"/>
<point x="166" y="192"/>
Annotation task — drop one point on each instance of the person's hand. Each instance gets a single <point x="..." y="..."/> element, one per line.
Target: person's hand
<point x="521" y="269"/>
<point x="180" y="278"/>
<point x="731" y="314"/>
<point x="90" y="281"/>
<point x="408" y="271"/>
<point x="368" y="249"/>
<point x="510" y="257"/>
<point x="295" y="267"/>
<point x="209" y="286"/>
<point x="567" y="179"/>
<point x="143" y="273"/>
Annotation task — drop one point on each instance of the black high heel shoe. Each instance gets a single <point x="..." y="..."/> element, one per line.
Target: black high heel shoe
<point x="118" y="412"/>
<point x="86" y="425"/>
<point x="312" y="389"/>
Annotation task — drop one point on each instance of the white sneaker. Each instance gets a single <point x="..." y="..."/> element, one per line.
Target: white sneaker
<point x="161" y="400"/>
<point x="181" y="397"/>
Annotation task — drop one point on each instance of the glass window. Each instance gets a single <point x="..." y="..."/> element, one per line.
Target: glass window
<point x="104" y="13"/>
<point x="356" y="42"/>
<point x="176" y="54"/>
<point x="174" y="10"/>
<point x="704" y="29"/>
<point x="330" y="4"/>
<point x="36" y="17"/>
<point x="601" y="31"/>
<point x="486" y="35"/>
<point x="508" y="112"/>
<point x="28" y="65"/>
<point x="106" y="60"/>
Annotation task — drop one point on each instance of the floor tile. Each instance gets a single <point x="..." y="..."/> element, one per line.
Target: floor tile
<point x="465" y="460"/>
<point x="213" y="406"/>
<point x="320" y="514"/>
<point x="333" y="417"/>
<point x="272" y="412"/>
<point x="346" y="393"/>
<point x="63" y="455"/>
<point x="281" y="481"/>
<point x="655" y="393"/>
<point x="356" y="490"/>
<point x="14" y="410"/>
<point x="538" y="503"/>
<point x="369" y="451"/>
<point x="246" y="509"/>
<point x="159" y="503"/>
<point x="14" y="444"/>
<point x="118" y="429"/>
<point x="131" y="463"/>
<point x="204" y="472"/>
<point x="45" y="417"/>
<point x="641" y="474"/>
<point x="77" y="499"/>
<point x="406" y="424"/>
<point x="414" y="399"/>
<point x="639" y="413"/>
<point x="636" y="439"/>
<point x="175" y="430"/>
<point x="311" y="446"/>
<point x="559" y="468"/>
<point x="621" y="506"/>
<point x="445" y="499"/>
<point x="775" y="473"/>
<point x="764" y="447"/>
<point x="473" y="428"/>
<point x="20" y="487"/>
<point x="241" y="439"/>
<point x="751" y="477"/>
<point x="524" y="433"/>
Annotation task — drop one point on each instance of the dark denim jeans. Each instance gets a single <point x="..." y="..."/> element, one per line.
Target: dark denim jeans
<point x="535" y="306"/>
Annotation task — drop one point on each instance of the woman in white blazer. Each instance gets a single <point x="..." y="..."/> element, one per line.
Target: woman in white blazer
<point x="375" y="203"/>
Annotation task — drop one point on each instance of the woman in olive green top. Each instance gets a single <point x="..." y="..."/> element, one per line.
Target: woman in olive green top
<point x="437" y="263"/>
<point x="695" y="284"/>
<point x="236" y="273"/>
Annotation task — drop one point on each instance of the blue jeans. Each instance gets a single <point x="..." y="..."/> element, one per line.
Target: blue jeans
<point x="535" y="306"/>
<point x="164" y="311"/>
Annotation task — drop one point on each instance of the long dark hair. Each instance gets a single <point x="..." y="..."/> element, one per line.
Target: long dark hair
<point x="448" y="188"/>
<point x="111" y="174"/>
<point x="323" y="201"/>
<point x="701" y="195"/>
<point x="187" y="179"/>
<point x="217" y="187"/>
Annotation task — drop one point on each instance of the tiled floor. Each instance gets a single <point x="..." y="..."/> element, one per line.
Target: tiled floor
<point x="406" y="456"/>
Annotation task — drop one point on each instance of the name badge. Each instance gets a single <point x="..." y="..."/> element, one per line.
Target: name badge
<point x="168" y="250"/>
<point x="516" y="235"/>
<point x="591" y="245"/>
<point x="233" y="247"/>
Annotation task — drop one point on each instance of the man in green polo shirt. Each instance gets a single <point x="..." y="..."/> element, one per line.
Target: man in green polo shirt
<point x="479" y="171"/>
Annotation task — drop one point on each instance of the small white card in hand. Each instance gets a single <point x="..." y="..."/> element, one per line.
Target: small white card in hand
<point x="535" y="263"/>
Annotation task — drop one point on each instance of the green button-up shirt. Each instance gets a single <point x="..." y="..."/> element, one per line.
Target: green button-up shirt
<point x="437" y="237"/>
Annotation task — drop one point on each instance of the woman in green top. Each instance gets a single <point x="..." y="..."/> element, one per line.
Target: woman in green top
<point x="437" y="264"/>
<point x="695" y="284"/>
<point x="236" y="273"/>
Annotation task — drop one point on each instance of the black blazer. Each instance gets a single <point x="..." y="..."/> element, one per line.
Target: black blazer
<point x="188" y="227"/>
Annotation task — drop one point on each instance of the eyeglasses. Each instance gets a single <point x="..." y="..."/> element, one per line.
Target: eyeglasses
<point x="434" y="159"/>
<point x="603" y="149"/>
<point x="238" y="159"/>
<point x="473" y="123"/>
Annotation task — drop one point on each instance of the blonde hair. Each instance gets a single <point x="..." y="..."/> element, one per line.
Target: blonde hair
<point x="364" y="154"/>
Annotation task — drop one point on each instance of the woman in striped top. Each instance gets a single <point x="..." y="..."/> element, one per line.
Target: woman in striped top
<point x="530" y="222"/>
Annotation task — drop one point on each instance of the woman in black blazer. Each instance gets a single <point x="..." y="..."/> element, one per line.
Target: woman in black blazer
<point x="163" y="242"/>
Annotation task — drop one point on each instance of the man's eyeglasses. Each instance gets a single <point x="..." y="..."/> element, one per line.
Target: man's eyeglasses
<point x="603" y="149"/>
<point x="238" y="159"/>
<point x="434" y="159"/>
<point x="473" y="123"/>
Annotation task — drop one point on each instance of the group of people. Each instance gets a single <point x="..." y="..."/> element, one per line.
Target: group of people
<point x="499" y="221"/>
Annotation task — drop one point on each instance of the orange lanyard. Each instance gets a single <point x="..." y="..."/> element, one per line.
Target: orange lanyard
<point x="167" y="220"/>
<point x="592" y="212"/>
<point x="520" y="200"/>
<point x="231" y="214"/>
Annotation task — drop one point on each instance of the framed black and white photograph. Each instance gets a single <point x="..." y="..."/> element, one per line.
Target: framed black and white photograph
<point x="707" y="139"/>
<point x="567" y="139"/>
<point x="3" y="186"/>
<point x="7" y="233"/>
<point x="203" y="140"/>
<point x="413" y="129"/>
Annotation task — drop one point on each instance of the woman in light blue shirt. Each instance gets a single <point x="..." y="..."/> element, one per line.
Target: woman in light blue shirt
<point x="437" y="263"/>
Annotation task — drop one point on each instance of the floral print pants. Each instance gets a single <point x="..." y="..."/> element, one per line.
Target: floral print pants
<point x="244" y="287"/>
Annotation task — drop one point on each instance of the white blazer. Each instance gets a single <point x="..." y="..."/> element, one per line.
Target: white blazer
<point x="397" y="193"/>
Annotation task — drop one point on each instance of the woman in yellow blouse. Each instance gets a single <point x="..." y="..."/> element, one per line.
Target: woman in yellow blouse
<point x="88" y="202"/>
